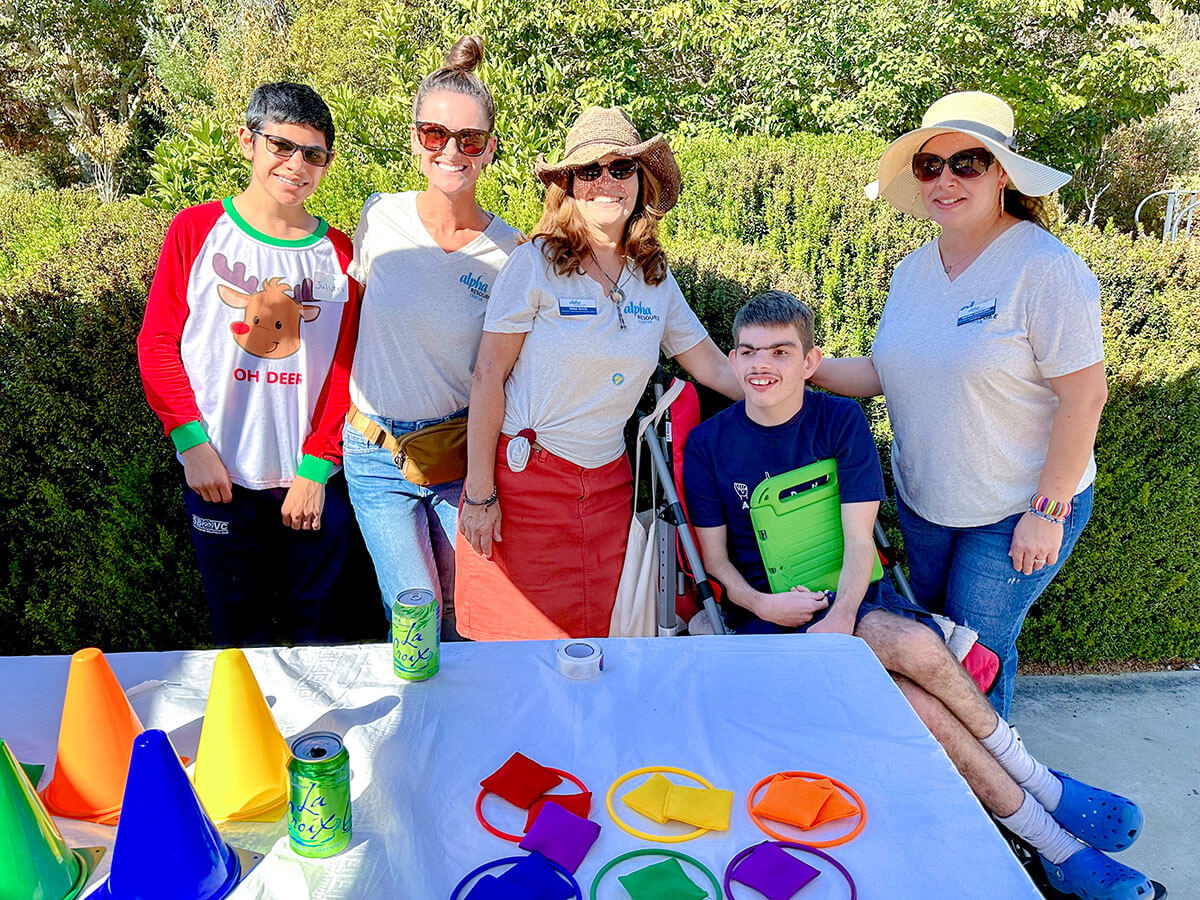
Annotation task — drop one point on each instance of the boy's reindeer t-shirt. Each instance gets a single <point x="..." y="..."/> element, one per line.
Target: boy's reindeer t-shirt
<point x="251" y="338"/>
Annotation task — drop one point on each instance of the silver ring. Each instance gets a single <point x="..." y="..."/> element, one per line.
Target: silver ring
<point x="1041" y="561"/>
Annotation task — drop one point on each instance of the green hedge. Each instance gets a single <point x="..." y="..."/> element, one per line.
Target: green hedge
<point x="90" y="516"/>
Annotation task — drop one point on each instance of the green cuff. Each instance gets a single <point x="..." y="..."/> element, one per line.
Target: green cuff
<point x="315" y="469"/>
<point x="188" y="435"/>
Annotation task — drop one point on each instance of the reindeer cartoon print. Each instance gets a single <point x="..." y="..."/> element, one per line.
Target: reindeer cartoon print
<point x="270" y="328"/>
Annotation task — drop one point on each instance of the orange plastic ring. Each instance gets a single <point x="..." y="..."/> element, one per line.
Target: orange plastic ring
<point x="811" y="776"/>
<point x="516" y="838"/>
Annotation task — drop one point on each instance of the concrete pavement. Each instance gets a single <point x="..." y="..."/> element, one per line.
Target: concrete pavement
<point x="1138" y="735"/>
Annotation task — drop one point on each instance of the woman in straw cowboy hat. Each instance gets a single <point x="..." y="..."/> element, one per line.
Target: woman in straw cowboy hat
<point x="574" y="328"/>
<point x="990" y="358"/>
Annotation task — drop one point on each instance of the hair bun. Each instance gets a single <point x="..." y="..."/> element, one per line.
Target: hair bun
<point x="466" y="54"/>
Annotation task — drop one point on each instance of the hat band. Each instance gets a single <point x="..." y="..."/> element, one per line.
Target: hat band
<point x="612" y="142"/>
<point x="986" y="131"/>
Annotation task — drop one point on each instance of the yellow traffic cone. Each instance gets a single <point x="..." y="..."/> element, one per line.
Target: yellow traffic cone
<point x="241" y="765"/>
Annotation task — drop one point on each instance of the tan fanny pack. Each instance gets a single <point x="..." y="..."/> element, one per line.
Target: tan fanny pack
<point x="432" y="455"/>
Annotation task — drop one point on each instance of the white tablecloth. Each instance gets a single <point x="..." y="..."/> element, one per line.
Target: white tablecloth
<point x="730" y="709"/>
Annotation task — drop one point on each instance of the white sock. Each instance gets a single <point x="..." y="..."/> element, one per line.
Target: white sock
<point x="1033" y="823"/>
<point x="1023" y="768"/>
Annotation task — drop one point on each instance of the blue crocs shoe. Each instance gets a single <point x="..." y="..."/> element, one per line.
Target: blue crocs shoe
<point x="1099" y="818"/>
<point x="1090" y="875"/>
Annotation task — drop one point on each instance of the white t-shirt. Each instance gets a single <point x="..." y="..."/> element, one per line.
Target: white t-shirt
<point x="965" y="369"/>
<point x="422" y="310"/>
<point x="579" y="374"/>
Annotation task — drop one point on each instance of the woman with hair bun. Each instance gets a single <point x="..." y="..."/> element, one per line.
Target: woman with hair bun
<point x="574" y="330"/>
<point x="426" y="260"/>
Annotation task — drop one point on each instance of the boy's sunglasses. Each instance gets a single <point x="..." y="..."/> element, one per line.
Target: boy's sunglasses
<point x="284" y="149"/>
<point x="619" y="169"/>
<point x="964" y="164"/>
<point x="434" y="137"/>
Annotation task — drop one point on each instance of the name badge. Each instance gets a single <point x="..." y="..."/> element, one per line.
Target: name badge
<point x="576" y="306"/>
<point x="976" y="310"/>
<point x="330" y="287"/>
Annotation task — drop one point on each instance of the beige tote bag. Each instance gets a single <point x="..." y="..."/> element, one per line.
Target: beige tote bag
<point x="633" y="614"/>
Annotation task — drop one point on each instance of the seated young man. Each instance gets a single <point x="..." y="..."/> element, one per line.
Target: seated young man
<point x="781" y="426"/>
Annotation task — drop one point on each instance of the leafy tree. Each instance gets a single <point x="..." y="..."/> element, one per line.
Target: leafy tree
<point x="74" y="71"/>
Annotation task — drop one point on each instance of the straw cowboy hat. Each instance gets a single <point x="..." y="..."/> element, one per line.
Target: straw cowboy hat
<point x="983" y="116"/>
<point x="599" y="131"/>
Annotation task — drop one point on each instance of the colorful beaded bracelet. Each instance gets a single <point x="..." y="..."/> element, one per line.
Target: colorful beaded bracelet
<point x="1050" y="510"/>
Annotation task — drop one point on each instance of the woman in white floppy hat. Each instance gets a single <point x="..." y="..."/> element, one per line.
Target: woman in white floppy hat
<point x="574" y="328"/>
<point x="990" y="358"/>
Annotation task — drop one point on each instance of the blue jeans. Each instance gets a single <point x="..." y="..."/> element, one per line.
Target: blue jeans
<point x="409" y="529"/>
<point x="966" y="574"/>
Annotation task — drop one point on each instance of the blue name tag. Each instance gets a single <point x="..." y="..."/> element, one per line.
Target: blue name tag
<point x="976" y="310"/>
<point x="576" y="306"/>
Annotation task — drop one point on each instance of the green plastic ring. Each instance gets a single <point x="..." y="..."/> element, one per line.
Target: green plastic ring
<point x="652" y="851"/>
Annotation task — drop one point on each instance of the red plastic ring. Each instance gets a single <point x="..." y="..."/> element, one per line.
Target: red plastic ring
<point x="811" y="776"/>
<point x="516" y="838"/>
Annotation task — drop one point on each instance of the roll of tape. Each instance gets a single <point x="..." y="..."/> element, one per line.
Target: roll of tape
<point x="580" y="660"/>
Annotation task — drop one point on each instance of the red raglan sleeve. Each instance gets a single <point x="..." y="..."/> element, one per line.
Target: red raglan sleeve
<point x="325" y="440"/>
<point x="164" y="378"/>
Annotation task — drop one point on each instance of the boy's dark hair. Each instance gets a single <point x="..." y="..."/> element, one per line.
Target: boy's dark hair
<point x="290" y="104"/>
<point x="777" y="308"/>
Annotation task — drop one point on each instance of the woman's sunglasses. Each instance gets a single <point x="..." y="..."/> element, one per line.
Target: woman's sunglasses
<point x="284" y="149"/>
<point x="434" y="137"/>
<point x="619" y="169"/>
<point x="964" y="164"/>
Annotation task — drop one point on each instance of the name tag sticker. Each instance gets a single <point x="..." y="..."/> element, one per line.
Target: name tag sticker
<point x="330" y="287"/>
<point x="576" y="306"/>
<point x="976" y="310"/>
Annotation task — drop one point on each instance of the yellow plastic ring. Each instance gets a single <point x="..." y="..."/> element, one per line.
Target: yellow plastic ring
<point x="645" y="836"/>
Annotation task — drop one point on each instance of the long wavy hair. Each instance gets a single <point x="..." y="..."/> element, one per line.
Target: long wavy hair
<point x="561" y="233"/>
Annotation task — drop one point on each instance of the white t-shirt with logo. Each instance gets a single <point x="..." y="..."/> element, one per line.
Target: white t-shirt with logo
<point x="579" y="374"/>
<point x="965" y="368"/>
<point x="422" y="310"/>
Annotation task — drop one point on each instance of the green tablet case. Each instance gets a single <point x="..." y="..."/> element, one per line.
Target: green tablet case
<point x="797" y="518"/>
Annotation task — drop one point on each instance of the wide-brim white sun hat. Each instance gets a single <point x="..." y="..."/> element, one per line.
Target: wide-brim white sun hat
<point x="981" y="115"/>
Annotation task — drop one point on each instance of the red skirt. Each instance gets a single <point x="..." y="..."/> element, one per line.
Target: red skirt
<point x="556" y="571"/>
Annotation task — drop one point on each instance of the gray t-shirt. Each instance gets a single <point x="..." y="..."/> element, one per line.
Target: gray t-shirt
<point x="965" y="369"/>
<point x="422" y="310"/>
<point x="579" y="374"/>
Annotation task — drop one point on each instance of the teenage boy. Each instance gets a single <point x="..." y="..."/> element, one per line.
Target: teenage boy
<point x="245" y="353"/>
<point x="781" y="426"/>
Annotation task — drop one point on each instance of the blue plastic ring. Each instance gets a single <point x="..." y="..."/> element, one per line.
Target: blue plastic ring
<point x="508" y="860"/>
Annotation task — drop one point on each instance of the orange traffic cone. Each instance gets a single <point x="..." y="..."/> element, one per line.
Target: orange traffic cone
<point x="95" y="740"/>
<point x="241" y="765"/>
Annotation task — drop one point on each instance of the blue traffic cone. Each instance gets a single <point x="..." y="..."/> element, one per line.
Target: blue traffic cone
<point x="167" y="847"/>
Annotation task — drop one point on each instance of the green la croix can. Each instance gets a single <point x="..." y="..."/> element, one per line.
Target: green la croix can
<point x="415" y="635"/>
<point x="319" y="802"/>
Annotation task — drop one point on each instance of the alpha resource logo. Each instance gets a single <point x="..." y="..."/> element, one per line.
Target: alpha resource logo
<point x="618" y="378"/>
<point x="479" y="288"/>
<point x="640" y="312"/>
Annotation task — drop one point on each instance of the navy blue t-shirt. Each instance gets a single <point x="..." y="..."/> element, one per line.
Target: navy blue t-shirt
<point x="728" y="456"/>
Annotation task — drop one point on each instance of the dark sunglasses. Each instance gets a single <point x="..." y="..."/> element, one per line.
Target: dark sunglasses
<point x="620" y="169"/>
<point x="969" y="163"/>
<point x="434" y="137"/>
<point x="284" y="149"/>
